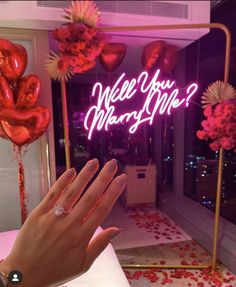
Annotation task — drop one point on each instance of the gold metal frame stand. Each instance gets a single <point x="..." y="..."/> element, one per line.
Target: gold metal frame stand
<point x="65" y="123"/>
<point x="222" y="27"/>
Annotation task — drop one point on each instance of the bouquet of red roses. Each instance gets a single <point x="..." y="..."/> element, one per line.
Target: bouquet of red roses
<point x="220" y="123"/>
<point x="79" y="41"/>
<point x="79" y="45"/>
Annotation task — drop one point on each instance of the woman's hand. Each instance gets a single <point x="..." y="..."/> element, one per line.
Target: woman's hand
<point x="49" y="249"/>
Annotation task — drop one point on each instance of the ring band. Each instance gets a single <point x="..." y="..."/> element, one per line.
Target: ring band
<point x="59" y="210"/>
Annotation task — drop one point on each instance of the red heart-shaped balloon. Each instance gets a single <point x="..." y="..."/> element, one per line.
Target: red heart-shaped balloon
<point x="13" y="60"/>
<point x="24" y="126"/>
<point x="112" y="56"/>
<point x="4" y="45"/>
<point x="6" y="96"/>
<point x="151" y="54"/>
<point x="28" y="92"/>
<point x="42" y="125"/>
<point x="169" y="59"/>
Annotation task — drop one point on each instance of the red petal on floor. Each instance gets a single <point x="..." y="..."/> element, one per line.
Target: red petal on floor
<point x="183" y="262"/>
<point x="162" y="262"/>
<point x="182" y="254"/>
<point x="186" y="246"/>
<point x="206" y="271"/>
<point x="206" y="277"/>
<point x="194" y="278"/>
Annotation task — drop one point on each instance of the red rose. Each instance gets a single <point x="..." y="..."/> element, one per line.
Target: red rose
<point x="89" y="34"/>
<point x="215" y="133"/>
<point x="206" y="125"/>
<point x="231" y="129"/>
<point x="77" y="32"/>
<point x="226" y="143"/>
<point x="229" y="108"/>
<point x="219" y="109"/>
<point x="81" y="59"/>
<point x="208" y="111"/>
<point x="73" y="61"/>
<point x="63" y="33"/>
<point x="202" y="135"/>
<point x="214" y="146"/>
<point x="62" y="65"/>
<point x="75" y="48"/>
<point x="62" y="47"/>
<point x="220" y="122"/>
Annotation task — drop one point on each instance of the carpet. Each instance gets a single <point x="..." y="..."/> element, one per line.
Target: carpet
<point x="143" y="226"/>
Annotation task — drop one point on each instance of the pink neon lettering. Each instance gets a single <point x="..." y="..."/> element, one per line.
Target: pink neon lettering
<point x="161" y="96"/>
<point x="191" y="91"/>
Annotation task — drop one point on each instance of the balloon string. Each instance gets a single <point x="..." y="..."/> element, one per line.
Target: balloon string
<point x="21" y="182"/>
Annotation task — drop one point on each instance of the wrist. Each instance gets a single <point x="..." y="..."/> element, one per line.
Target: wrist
<point x="3" y="274"/>
<point x="5" y="270"/>
<point x="3" y="279"/>
<point x="29" y="276"/>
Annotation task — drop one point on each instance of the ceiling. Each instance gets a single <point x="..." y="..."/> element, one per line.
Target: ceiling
<point x="47" y="15"/>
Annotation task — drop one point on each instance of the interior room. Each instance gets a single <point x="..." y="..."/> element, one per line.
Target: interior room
<point x="138" y="100"/>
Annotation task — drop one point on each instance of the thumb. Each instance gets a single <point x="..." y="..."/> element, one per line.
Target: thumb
<point x="99" y="243"/>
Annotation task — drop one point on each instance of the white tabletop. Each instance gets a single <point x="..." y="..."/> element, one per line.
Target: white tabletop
<point x="105" y="272"/>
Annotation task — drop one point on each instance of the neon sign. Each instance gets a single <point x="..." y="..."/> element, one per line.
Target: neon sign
<point x="160" y="96"/>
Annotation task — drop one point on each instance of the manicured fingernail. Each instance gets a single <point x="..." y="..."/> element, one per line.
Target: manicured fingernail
<point x="92" y="164"/>
<point x="122" y="179"/>
<point x="112" y="164"/>
<point x="70" y="172"/>
<point x="114" y="233"/>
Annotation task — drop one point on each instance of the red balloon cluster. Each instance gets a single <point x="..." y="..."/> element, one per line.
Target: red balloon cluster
<point x="22" y="121"/>
<point x="158" y="54"/>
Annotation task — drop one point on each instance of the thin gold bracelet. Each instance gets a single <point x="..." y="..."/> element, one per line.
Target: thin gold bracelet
<point x="5" y="276"/>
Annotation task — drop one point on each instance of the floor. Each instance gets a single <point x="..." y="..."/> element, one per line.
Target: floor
<point x="143" y="226"/>
<point x="150" y="237"/>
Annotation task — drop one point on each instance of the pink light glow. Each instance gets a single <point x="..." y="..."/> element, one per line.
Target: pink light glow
<point x="161" y="97"/>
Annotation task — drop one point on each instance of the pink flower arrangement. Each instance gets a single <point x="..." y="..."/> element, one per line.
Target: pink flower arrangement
<point x="220" y="125"/>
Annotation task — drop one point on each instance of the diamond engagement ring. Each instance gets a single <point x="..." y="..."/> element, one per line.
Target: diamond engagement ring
<point x="59" y="210"/>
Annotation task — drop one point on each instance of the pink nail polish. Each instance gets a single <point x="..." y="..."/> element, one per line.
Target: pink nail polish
<point x="122" y="179"/>
<point x="92" y="164"/>
<point x="70" y="172"/>
<point x="112" y="164"/>
<point x="114" y="233"/>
